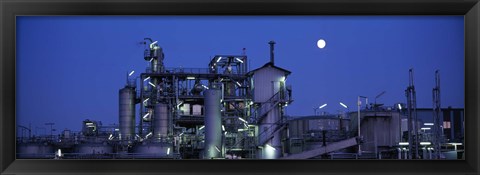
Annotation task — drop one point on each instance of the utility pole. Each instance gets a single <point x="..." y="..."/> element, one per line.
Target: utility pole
<point x="359" y="103"/>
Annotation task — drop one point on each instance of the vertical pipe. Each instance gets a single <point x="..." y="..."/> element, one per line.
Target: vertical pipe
<point x="452" y="123"/>
<point x="375" y="137"/>
<point x="358" y="125"/>
<point x="272" y="60"/>
<point x="174" y="108"/>
<point x="400" y="126"/>
<point x="142" y="106"/>
<point x="399" y="151"/>
<point x="213" y="124"/>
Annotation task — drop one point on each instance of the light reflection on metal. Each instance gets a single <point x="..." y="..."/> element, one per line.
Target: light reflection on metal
<point x="151" y="84"/>
<point x="270" y="147"/>
<point x="425" y="143"/>
<point x="151" y="45"/>
<point x="243" y="120"/>
<point x="239" y="60"/>
<point x="322" y="106"/>
<point x="146" y="115"/>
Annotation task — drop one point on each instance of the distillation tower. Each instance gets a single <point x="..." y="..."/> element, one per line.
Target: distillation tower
<point x="215" y="112"/>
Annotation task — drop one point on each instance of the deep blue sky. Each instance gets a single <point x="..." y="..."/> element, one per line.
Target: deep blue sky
<point x="71" y="68"/>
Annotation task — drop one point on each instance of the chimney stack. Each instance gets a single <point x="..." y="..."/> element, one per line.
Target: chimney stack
<point x="272" y="60"/>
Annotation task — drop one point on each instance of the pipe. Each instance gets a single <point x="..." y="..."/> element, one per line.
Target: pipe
<point x="272" y="60"/>
<point x="213" y="124"/>
<point x="399" y="153"/>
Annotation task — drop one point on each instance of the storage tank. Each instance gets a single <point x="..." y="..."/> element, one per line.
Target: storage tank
<point x="160" y="124"/>
<point x="380" y="130"/>
<point x="127" y="113"/>
<point x="213" y="124"/>
<point x="35" y="150"/>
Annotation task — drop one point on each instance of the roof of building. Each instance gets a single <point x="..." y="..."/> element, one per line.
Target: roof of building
<point x="269" y="64"/>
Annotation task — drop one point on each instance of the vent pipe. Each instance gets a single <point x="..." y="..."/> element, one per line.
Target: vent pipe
<point x="272" y="43"/>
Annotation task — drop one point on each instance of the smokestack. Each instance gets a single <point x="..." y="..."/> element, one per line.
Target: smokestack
<point x="272" y="60"/>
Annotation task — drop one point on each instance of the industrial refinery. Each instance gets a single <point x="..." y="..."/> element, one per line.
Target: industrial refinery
<point x="226" y="111"/>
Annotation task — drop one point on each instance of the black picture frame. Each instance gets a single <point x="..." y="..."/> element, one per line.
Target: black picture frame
<point x="11" y="8"/>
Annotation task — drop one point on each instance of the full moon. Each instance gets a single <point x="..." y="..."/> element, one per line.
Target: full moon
<point x="321" y="43"/>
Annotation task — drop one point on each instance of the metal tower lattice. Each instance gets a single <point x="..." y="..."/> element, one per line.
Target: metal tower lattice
<point x="412" y="118"/>
<point x="437" y="131"/>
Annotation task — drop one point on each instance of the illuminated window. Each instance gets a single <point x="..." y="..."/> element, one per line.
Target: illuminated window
<point x="446" y="125"/>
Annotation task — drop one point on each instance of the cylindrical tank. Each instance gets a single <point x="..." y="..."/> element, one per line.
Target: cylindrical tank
<point x="380" y="129"/>
<point x="213" y="124"/>
<point x="127" y="113"/>
<point x="160" y="124"/>
<point x="34" y="150"/>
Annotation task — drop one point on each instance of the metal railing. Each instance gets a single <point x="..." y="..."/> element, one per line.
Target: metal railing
<point x="181" y="70"/>
<point x="177" y="70"/>
<point x="271" y="103"/>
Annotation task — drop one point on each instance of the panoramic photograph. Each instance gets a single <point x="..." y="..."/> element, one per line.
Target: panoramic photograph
<point x="240" y="87"/>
